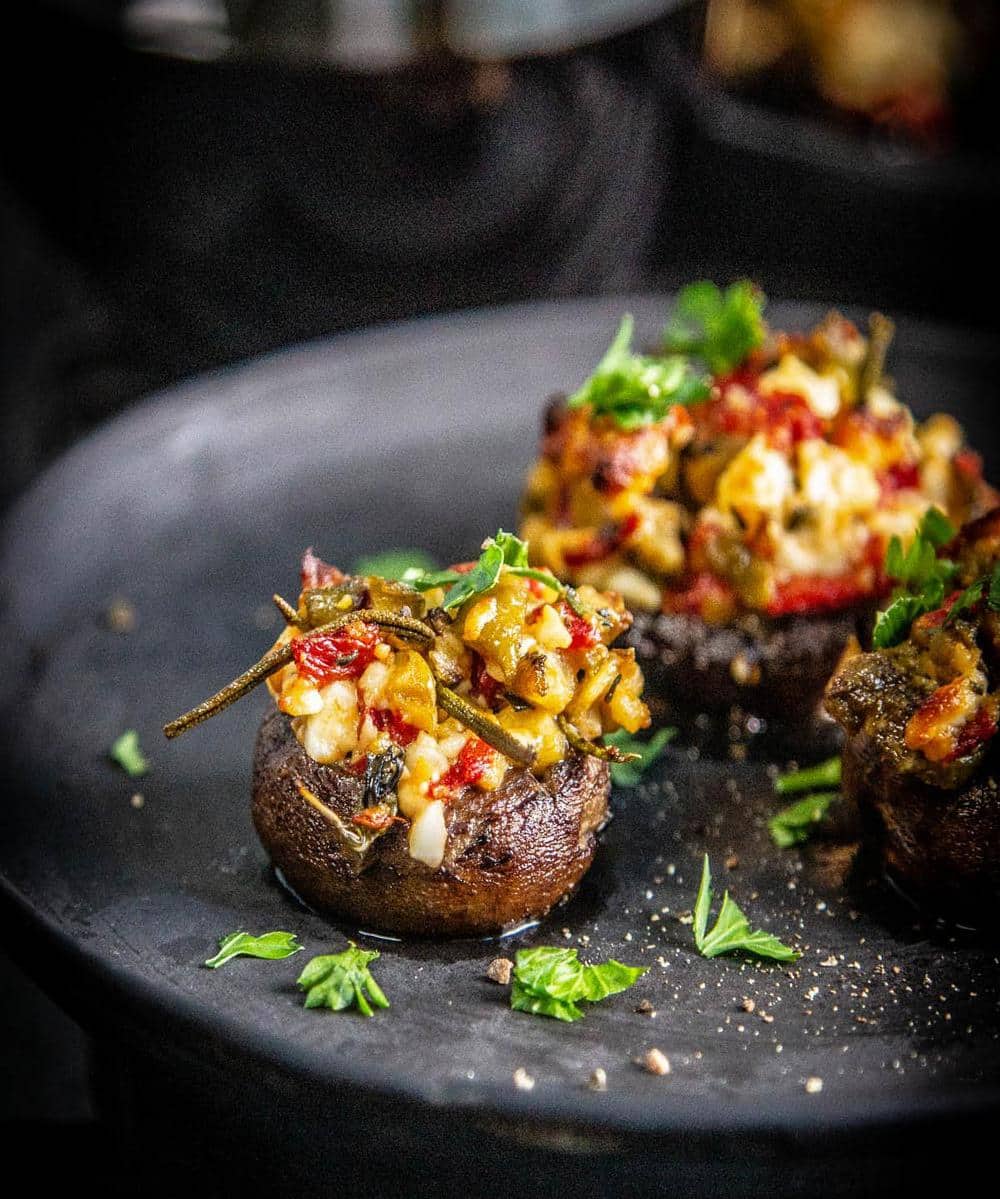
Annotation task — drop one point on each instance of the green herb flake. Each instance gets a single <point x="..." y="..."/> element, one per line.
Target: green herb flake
<point x="793" y="825"/>
<point x="395" y="564"/>
<point x="127" y="754"/>
<point x="503" y="550"/>
<point x="550" y="981"/>
<point x="968" y="599"/>
<point x="718" y="326"/>
<point x="629" y="774"/>
<point x="922" y="578"/>
<point x="988" y="585"/>
<point x="637" y="390"/>
<point x="342" y="980"/>
<point x="271" y="946"/>
<point x="819" y="777"/>
<point x="731" y="931"/>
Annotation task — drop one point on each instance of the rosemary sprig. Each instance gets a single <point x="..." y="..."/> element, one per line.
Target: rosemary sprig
<point x="281" y="655"/>
<point x="484" y="726"/>
<point x="285" y="608"/>
<point x="606" y="753"/>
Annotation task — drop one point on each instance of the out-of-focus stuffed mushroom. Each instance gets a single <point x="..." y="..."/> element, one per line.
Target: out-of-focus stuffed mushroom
<point x="739" y="489"/>
<point x="920" y="714"/>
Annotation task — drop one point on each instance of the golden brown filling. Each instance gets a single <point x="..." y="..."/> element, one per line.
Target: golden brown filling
<point x="520" y="670"/>
<point x="777" y="493"/>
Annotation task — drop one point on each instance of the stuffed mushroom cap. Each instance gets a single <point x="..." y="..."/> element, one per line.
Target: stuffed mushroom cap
<point x="920" y="716"/>
<point x="739" y="489"/>
<point x="434" y="764"/>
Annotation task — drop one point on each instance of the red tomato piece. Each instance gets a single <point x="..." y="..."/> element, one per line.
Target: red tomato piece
<point x="583" y="633"/>
<point x="387" y="721"/>
<point x="340" y="654"/>
<point x="904" y="476"/>
<point x="471" y="766"/>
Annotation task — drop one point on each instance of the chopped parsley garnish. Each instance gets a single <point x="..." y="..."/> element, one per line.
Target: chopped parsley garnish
<point x="550" y="981"/>
<point x="731" y="931"/>
<point x="718" y="326"/>
<point x="272" y="946"/>
<point x="988" y="586"/>
<point x="127" y="754"/>
<point x="922" y="578"/>
<point x="634" y="389"/>
<point x="628" y="774"/>
<point x="794" y="824"/>
<point x="505" y="549"/>
<point x="823" y="774"/>
<point x="342" y="980"/>
<point x="395" y="564"/>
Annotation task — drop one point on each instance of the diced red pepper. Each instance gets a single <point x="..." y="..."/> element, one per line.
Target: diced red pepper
<point x="343" y="653"/>
<point x="740" y="410"/>
<point x="317" y="573"/>
<point x="584" y="635"/>
<point x="904" y="476"/>
<point x="819" y="593"/>
<point x="473" y="763"/>
<point x="399" y="730"/>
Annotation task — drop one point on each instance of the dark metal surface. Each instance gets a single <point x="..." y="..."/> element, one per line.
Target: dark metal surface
<point x="194" y="506"/>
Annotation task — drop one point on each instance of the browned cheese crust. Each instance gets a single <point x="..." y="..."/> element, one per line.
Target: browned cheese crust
<point x="511" y="853"/>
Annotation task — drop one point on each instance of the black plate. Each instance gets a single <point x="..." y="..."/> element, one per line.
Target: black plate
<point x="195" y="506"/>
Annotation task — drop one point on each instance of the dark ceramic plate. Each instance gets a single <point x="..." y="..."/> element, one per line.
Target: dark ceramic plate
<point x="194" y="507"/>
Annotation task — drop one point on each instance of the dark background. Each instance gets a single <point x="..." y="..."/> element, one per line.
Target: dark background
<point x="160" y="216"/>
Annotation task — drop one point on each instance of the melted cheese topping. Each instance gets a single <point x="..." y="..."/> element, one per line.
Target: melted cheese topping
<point x="783" y="476"/>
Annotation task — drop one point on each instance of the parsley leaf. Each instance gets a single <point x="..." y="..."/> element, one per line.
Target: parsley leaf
<point x="637" y="390"/>
<point x="550" y="981"/>
<point x="793" y="825"/>
<point x="893" y="623"/>
<point x="823" y="774"/>
<point x="395" y="564"/>
<point x="731" y="930"/>
<point x="988" y="585"/>
<point x="342" y="980"/>
<point x="271" y="946"/>
<point x="922" y="578"/>
<point x="719" y="327"/>
<point x="968" y="599"/>
<point x="628" y="774"/>
<point x="505" y="549"/>
<point x="127" y="754"/>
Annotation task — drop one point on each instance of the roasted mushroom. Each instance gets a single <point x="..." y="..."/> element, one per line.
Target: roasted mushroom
<point x="739" y="490"/>
<point x="921" y="756"/>
<point x="433" y="764"/>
